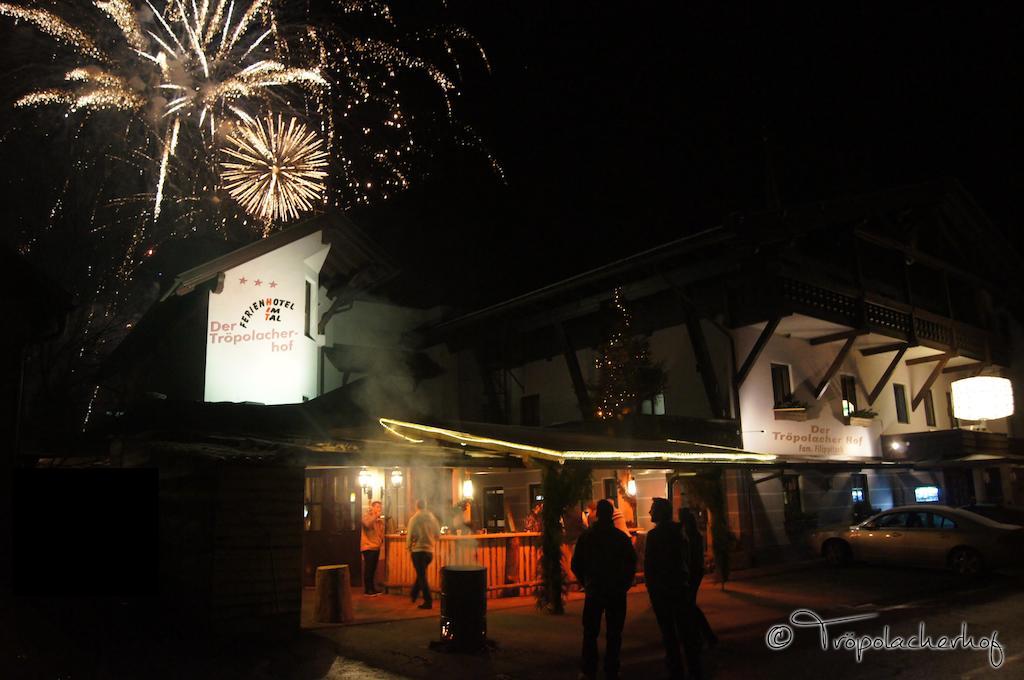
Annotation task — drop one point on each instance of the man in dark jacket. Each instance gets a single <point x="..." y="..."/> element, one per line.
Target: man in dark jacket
<point x="667" y="578"/>
<point x="696" y="566"/>
<point x="604" y="563"/>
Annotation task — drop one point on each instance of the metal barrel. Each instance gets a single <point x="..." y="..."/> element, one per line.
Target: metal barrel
<point x="464" y="607"/>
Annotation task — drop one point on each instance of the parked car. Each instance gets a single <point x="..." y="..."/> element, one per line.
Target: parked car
<point x="998" y="512"/>
<point x="924" y="535"/>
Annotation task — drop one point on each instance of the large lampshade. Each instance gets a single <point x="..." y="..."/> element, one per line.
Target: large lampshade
<point x="982" y="398"/>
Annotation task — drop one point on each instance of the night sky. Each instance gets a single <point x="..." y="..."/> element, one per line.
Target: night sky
<point x="624" y="125"/>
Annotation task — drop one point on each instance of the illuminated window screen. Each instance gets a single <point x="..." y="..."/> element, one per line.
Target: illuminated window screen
<point x="857" y="494"/>
<point x="926" y="494"/>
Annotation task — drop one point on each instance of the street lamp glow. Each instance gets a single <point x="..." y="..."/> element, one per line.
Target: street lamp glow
<point x="631" y="487"/>
<point x="365" y="478"/>
<point x="982" y="398"/>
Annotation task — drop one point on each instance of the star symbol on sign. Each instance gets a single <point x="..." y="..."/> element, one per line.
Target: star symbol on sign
<point x="242" y="280"/>
<point x="257" y="282"/>
<point x="273" y="284"/>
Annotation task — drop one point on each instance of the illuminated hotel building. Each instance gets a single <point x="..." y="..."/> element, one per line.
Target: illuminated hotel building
<point x="808" y="359"/>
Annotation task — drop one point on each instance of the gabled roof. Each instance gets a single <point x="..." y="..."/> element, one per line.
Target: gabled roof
<point x="973" y="249"/>
<point x="352" y="253"/>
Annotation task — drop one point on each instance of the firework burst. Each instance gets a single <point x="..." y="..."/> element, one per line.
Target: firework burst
<point x="150" y="91"/>
<point x="276" y="171"/>
<point x="187" y="64"/>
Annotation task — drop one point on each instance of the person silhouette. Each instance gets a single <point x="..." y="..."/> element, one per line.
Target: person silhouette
<point x="667" y="578"/>
<point x="604" y="563"/>
<point x="695" y="564"/>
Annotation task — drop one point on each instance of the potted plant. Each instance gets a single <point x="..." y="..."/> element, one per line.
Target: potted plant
<point x="862" y="417"/>
<point x="791" y="410"/>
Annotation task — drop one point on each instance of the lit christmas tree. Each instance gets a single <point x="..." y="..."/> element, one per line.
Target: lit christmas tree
<point x="625" y="373"/>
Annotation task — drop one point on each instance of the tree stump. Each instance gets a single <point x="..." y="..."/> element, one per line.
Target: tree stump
<point x="333" y="594"/>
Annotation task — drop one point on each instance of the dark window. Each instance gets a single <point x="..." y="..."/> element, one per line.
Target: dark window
<point x="494" y="508"/>
<point x="780" y="384"/>
<point x="654" y="406"/>
<point x="893" y="519"/>
<point x="536" y="495"/>
<point x="308" y="307"/>
<point x="900" y="392"/>
<point x="942" y="522"/>
<point x="611" y="490"/>
<point x="919" y="520"/>
<point x="993" y="478"/>
<point x="529" y="410"/>
<point x="791" y="495"/>
<point x="849" y="388"/>
<point x="929" y="408"/>
<point x="953" y="422"/>
<point x="314" y="505"/>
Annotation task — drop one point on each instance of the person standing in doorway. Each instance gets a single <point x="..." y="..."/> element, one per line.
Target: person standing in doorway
<point x="695" y="563"/>
<point x="370" y="544"/>
<point x="604" y="563"/>
<point x="423" y="533"/>
<point x="667" y="577"/>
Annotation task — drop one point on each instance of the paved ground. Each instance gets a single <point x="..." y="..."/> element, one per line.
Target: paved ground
<point x="531" y="644"/>
<point x="81" y="639"/>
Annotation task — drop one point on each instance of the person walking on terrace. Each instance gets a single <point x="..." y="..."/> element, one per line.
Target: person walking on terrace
<point x="604" y="563"/>
<point x="667" y="578"/>
<point x="370" y="543"/>
<point x="423" y="532"/>
<point x="695" y="563"/>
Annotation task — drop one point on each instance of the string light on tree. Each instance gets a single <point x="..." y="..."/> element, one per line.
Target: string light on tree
<point x="625" y="372"/>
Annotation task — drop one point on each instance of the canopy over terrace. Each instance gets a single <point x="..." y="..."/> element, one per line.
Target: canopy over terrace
<point x="564" y="446"/>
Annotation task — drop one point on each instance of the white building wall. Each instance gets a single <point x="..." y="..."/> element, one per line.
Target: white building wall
<point x="391" y="389"/>
<point x="549" y="378"/>
<point x="824" y="435"/>
<point x="257" y="349"/>
<point x="684" y="390"/>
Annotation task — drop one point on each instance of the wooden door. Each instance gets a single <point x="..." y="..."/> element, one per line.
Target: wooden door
<point x="333" y="502"/>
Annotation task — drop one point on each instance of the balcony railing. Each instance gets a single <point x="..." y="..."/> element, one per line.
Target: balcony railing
<point x="759" y="301"/>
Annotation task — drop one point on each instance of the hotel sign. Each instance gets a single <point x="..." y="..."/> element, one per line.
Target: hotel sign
<point x="257" y="347"/>
<point x="821" y="441"/>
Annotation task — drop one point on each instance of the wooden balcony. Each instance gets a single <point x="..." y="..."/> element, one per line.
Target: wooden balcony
<point x="757" y="300"/>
